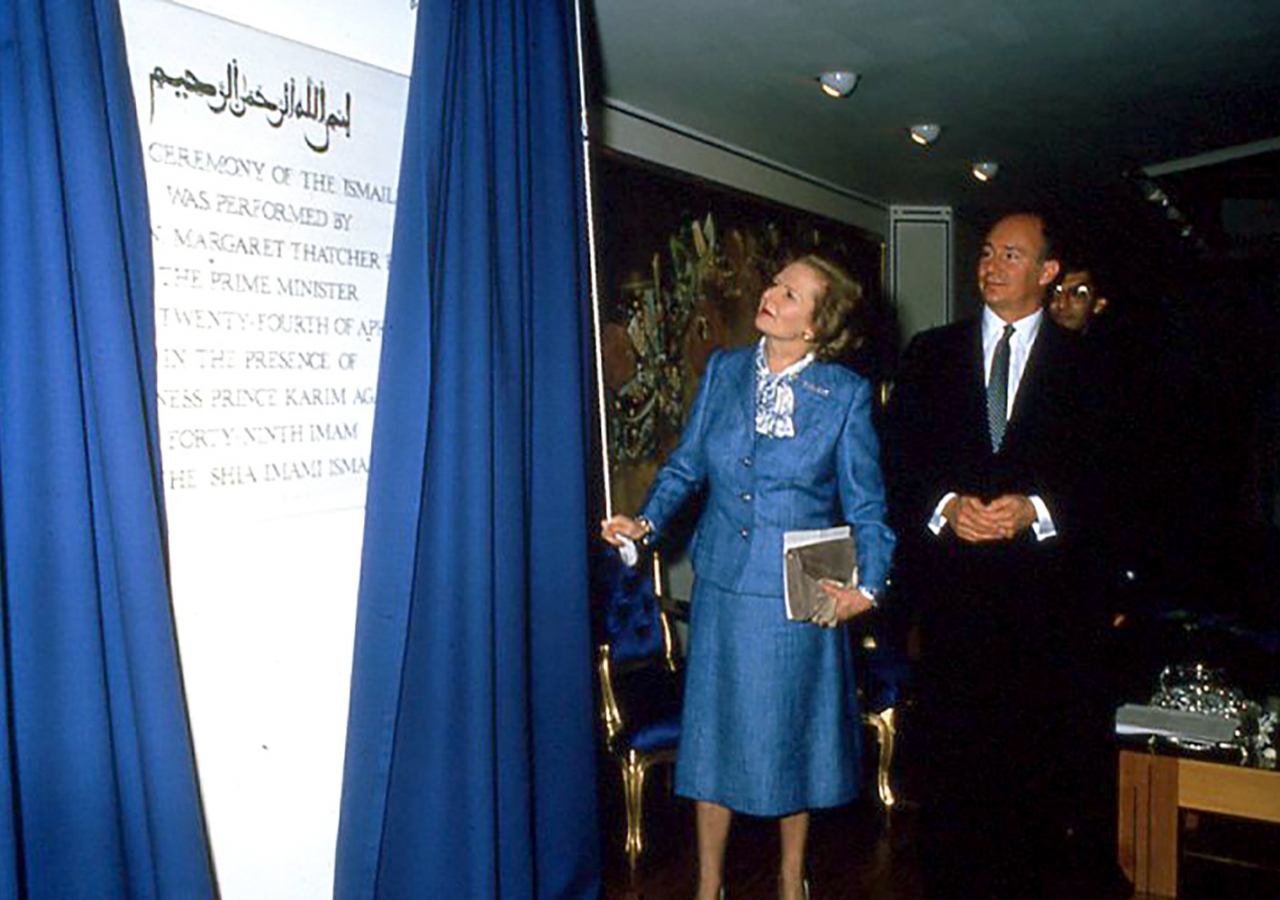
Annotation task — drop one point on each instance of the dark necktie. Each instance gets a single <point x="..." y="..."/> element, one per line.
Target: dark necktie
<point x="998" y="390"/>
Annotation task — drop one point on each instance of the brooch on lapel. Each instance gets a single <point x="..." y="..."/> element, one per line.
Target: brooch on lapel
<point x="817" y="389"/>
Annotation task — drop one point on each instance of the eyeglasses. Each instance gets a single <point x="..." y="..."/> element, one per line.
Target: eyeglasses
<point x="1080" y="291"/>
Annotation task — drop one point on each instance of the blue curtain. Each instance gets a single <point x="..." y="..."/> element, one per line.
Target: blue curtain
<point x="470" y="759"/>
<point x="98" y="796"/>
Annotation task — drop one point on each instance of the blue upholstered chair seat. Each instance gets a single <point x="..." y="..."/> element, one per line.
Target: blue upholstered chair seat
<point x="651" y="697"/>
<point x="886" y="676"/>
<point x="663" y="734"/>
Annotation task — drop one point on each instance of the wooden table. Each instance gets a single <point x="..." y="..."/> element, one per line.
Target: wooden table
<point x="1153" y="789"/>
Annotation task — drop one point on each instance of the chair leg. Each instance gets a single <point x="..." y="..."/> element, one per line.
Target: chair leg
<point x="885" y="724"/>
<point x="633" y="771"/>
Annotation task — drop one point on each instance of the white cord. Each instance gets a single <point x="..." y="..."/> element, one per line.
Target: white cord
<point x="591" y="262"/>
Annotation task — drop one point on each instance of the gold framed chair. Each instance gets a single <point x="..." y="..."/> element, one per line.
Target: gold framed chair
<point x="885" y="723"/>
<point x="640" y="690"/>
<point x="880" y="693"/>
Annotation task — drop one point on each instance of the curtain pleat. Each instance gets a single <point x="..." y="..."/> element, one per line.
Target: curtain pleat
<point x="96" y="768"/>
<point x="470" y="767"/>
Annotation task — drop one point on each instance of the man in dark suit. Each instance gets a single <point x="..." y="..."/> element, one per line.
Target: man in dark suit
<point x="987" y="451"/>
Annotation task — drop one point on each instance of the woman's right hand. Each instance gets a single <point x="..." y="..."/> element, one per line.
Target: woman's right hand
<point x="617" y="527"/>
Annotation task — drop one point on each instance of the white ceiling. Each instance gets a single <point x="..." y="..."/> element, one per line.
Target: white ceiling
<point x="1067" y="96"/>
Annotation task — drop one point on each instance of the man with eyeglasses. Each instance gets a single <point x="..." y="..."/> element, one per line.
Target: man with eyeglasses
<point x="1075" y="301"/>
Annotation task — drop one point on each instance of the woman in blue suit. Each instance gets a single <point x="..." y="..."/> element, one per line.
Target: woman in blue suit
<point x="781" y="439"/>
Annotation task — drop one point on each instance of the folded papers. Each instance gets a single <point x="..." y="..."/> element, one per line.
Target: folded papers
<point x="1134" y="718"/>
<point x="811" y="557"/>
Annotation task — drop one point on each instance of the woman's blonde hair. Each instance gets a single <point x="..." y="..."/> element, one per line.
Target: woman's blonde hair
<point x="834" y="326"/>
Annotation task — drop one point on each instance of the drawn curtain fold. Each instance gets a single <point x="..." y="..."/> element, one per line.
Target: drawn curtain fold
<point x="98" y="794"/>
<point x="470" y="766"/>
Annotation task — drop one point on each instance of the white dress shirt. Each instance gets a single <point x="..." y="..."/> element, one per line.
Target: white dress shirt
<point x="1025" y="332"/>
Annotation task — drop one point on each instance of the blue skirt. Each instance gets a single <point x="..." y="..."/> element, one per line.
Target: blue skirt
<point x="770" y="724"/>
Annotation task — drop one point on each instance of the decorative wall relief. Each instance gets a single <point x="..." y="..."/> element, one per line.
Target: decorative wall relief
<point x="683" y="264"/>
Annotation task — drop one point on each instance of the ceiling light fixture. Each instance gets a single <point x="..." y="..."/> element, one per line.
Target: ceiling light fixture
<point x="1163" y="204"/>
<point x="924" y="135"/>
<point x="838" y="84"/>
<point x="985" y="170"/>
<point x="1151" y="191"/>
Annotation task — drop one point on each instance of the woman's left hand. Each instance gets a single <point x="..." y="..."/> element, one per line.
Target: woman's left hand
<point x="849" y="602"/>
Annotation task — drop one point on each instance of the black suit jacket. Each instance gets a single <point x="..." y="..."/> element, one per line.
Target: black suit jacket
<point x="937" y="441"/>
<point x="1008" y="665"/>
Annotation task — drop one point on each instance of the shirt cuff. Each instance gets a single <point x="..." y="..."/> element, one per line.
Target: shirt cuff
<point x="1043" y="526"/>
<point x="939" y="521"/>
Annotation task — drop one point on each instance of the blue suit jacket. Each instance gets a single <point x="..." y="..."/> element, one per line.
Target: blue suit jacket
<point x="758" y="487"/>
